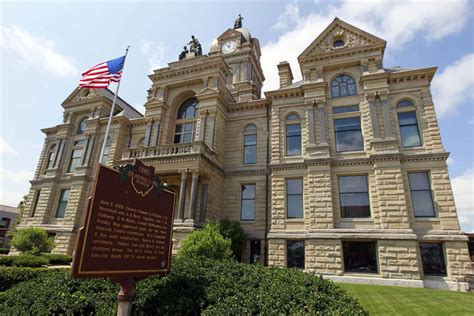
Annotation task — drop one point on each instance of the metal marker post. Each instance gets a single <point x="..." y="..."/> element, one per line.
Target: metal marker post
<point x="112" y="111"/>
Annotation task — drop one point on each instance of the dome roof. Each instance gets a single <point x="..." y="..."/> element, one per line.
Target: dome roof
<point x="244" y="31"/>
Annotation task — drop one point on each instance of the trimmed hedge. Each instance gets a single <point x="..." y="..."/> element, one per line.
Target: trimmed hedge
<point x="14" y="275"/>
<point x="56" y="293"/>
<point x="24" y="260"/>
<point x="58" y="259"/>
<point x="211" y="287"/>
<point x="195" y="286"/>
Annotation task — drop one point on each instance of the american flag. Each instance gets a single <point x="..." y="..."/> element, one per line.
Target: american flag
<point x="102" y="74"/>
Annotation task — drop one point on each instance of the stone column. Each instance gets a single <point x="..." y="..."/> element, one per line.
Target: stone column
<point x="212" y="123"/>
<point x="310" y="123"/>
<point x="148" y="133"/>
<point x="202" y="127"/>
<point x="387" y="122"/>
<point x="192" y="199"/>
<point x="182" y="194"/>
<point x="58" y="154"/>
<point x="373" y="119"/>
<point x="322" y="123"/>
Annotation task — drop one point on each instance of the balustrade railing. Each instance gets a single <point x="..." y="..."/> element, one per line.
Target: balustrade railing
<point x="166" y="150"/>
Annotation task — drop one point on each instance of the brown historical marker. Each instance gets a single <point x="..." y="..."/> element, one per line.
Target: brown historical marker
<point x="127" y="230"/>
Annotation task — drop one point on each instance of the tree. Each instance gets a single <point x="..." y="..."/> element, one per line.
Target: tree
<point x="32" y="240"/>
<point x="206" y="243"/>
<point x="232" y="230"/>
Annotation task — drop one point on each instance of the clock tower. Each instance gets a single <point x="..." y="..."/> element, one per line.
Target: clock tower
<point x="242" y="53"/>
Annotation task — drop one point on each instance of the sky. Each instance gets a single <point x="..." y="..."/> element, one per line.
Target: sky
<point x="44" y="47"/>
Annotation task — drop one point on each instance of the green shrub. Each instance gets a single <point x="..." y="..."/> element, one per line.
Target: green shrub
<point x="32" y="240"/>
<point x="203" y="286"/>
<point x="4" y="251"/>
<point x="206" y="243"/>
<point x="56" y="293"/>
<point x="12" y="276"/>
<point x="232" y="230"/>
<point x="23" y="260"/>
<point x="58" y="259"/>
<point x="194" y="286"/>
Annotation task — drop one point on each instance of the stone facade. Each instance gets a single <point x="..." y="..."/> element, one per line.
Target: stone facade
<point x="209" y="170"/>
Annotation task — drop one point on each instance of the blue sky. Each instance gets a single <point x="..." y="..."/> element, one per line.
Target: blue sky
<point x="45" y="46"/>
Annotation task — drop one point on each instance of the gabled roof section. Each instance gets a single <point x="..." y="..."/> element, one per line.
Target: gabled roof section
<point x="351" y="36"/>
<point x="84" y="95"/>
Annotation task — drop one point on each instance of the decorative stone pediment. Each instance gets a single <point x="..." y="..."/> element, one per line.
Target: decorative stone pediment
<point x="230" y="33"/>
<point x="81" y="94"/>
<point x="340" y="35"/>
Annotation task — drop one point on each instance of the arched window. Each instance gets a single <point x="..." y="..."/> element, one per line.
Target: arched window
<point x="141" y="142"/>
<point x="408" y="123"/>
<point x="51" y="156"/>
<point x="105" y="157"/>
<point x="81" y="128"/>
<point x="293" y="135"/>
<point x="343" y="86"/>
<point x="250" y="144"/>
<point x="186" y="121"/>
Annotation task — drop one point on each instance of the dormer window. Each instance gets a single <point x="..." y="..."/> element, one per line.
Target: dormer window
<point x="338" y="43"/>
<point x="343" y="86"/>
<point x="186" y="121"/>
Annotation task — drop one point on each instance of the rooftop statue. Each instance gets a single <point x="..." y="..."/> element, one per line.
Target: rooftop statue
<point x="238" y="22"/>
<point x="195" y="46"/>
<point x="183" y="53"/>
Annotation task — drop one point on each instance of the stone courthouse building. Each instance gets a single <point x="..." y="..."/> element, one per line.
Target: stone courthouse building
<point x="342" y="174"/>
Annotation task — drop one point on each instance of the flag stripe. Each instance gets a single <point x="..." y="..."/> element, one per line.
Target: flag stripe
<point x="100" y="75"/>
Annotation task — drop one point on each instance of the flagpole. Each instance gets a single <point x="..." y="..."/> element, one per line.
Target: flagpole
<point x="112" y="111"/>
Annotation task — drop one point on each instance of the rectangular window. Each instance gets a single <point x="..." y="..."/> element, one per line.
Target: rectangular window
<point x="354" y="196"/>
<point x="409" y="129"/>
<point x="421" y="198"/>
<point x="345" y="109"/>
<point x="348" y="134"/>
<point x="293" y="139"/>
<point x="432" y="257"/>
<point x="35" y="203"/>
<point x="63" y="199"/>
<point x="250" y="149"/>
<point x="360" y="256"/>
<point x="247" y="203"/>
<point x="295" y="254"/>
<point x="184" y="133"/>
<point x="294" y="198"/>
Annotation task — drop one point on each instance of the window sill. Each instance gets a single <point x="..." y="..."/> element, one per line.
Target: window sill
<point x="361" y="274"/>
<point x="357" y="219"/>
<point x="294" y="220"/>
<point x="350" y="152"/>
<point x="427" y="219"/>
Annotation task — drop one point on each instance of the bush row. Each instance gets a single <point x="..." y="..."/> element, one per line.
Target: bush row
<point x="14" y="275"/>
<point x="28" y="260"/>
<point x="4" y="251"/>
<point x="195" y="286"/>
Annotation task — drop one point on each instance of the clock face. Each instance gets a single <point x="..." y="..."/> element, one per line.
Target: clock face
<point x="229" y="47"/>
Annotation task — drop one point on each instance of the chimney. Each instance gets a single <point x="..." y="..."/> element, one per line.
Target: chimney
<point x="286" y="76"/>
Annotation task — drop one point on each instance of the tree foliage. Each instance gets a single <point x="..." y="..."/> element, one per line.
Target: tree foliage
<point x="232" y="230"/>
<point x="32" y="240"/>
<point x="206" y="243"/>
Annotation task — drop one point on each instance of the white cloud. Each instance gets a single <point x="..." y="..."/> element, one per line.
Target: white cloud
<point x="36" y="51"/>
<point x="396" y="22"/>
<point x="15" y="176"/>
<point x="289" y="17"/>
<point x="454" y="85"/>
<point x="5" y="148"/>
<point x="463" y="188"/>
<point x="155" y="54"/>
<point x="450" y="161"/>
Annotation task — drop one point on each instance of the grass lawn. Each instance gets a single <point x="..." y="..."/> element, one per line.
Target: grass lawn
<point x="392" y="300"/>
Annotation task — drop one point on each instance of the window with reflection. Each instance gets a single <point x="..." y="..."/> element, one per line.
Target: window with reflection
<point x="409" y="131"/>
<point x="294" y="198"/>
<point x="105" y="157"/>
<point x="432" y="257"/>
<point x="295" y="254"/>
<point x="360" y="256"/>
<point x="76" y="155"/>
<point x="51" y="156"/>
<point x="354" y="196"/>
<point x="421" y="198"/>
<point x="405" y="103"/>
<point x="247" y="202"/>
<point x="293" y="135"/>
<point x="186" y="121"/>
<point x="348" y="134"/>
<point x="343" y="86"/>
<point x="250" y="144"/>
<point x="62" y="204"/>
<point x="81" y="128"/>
